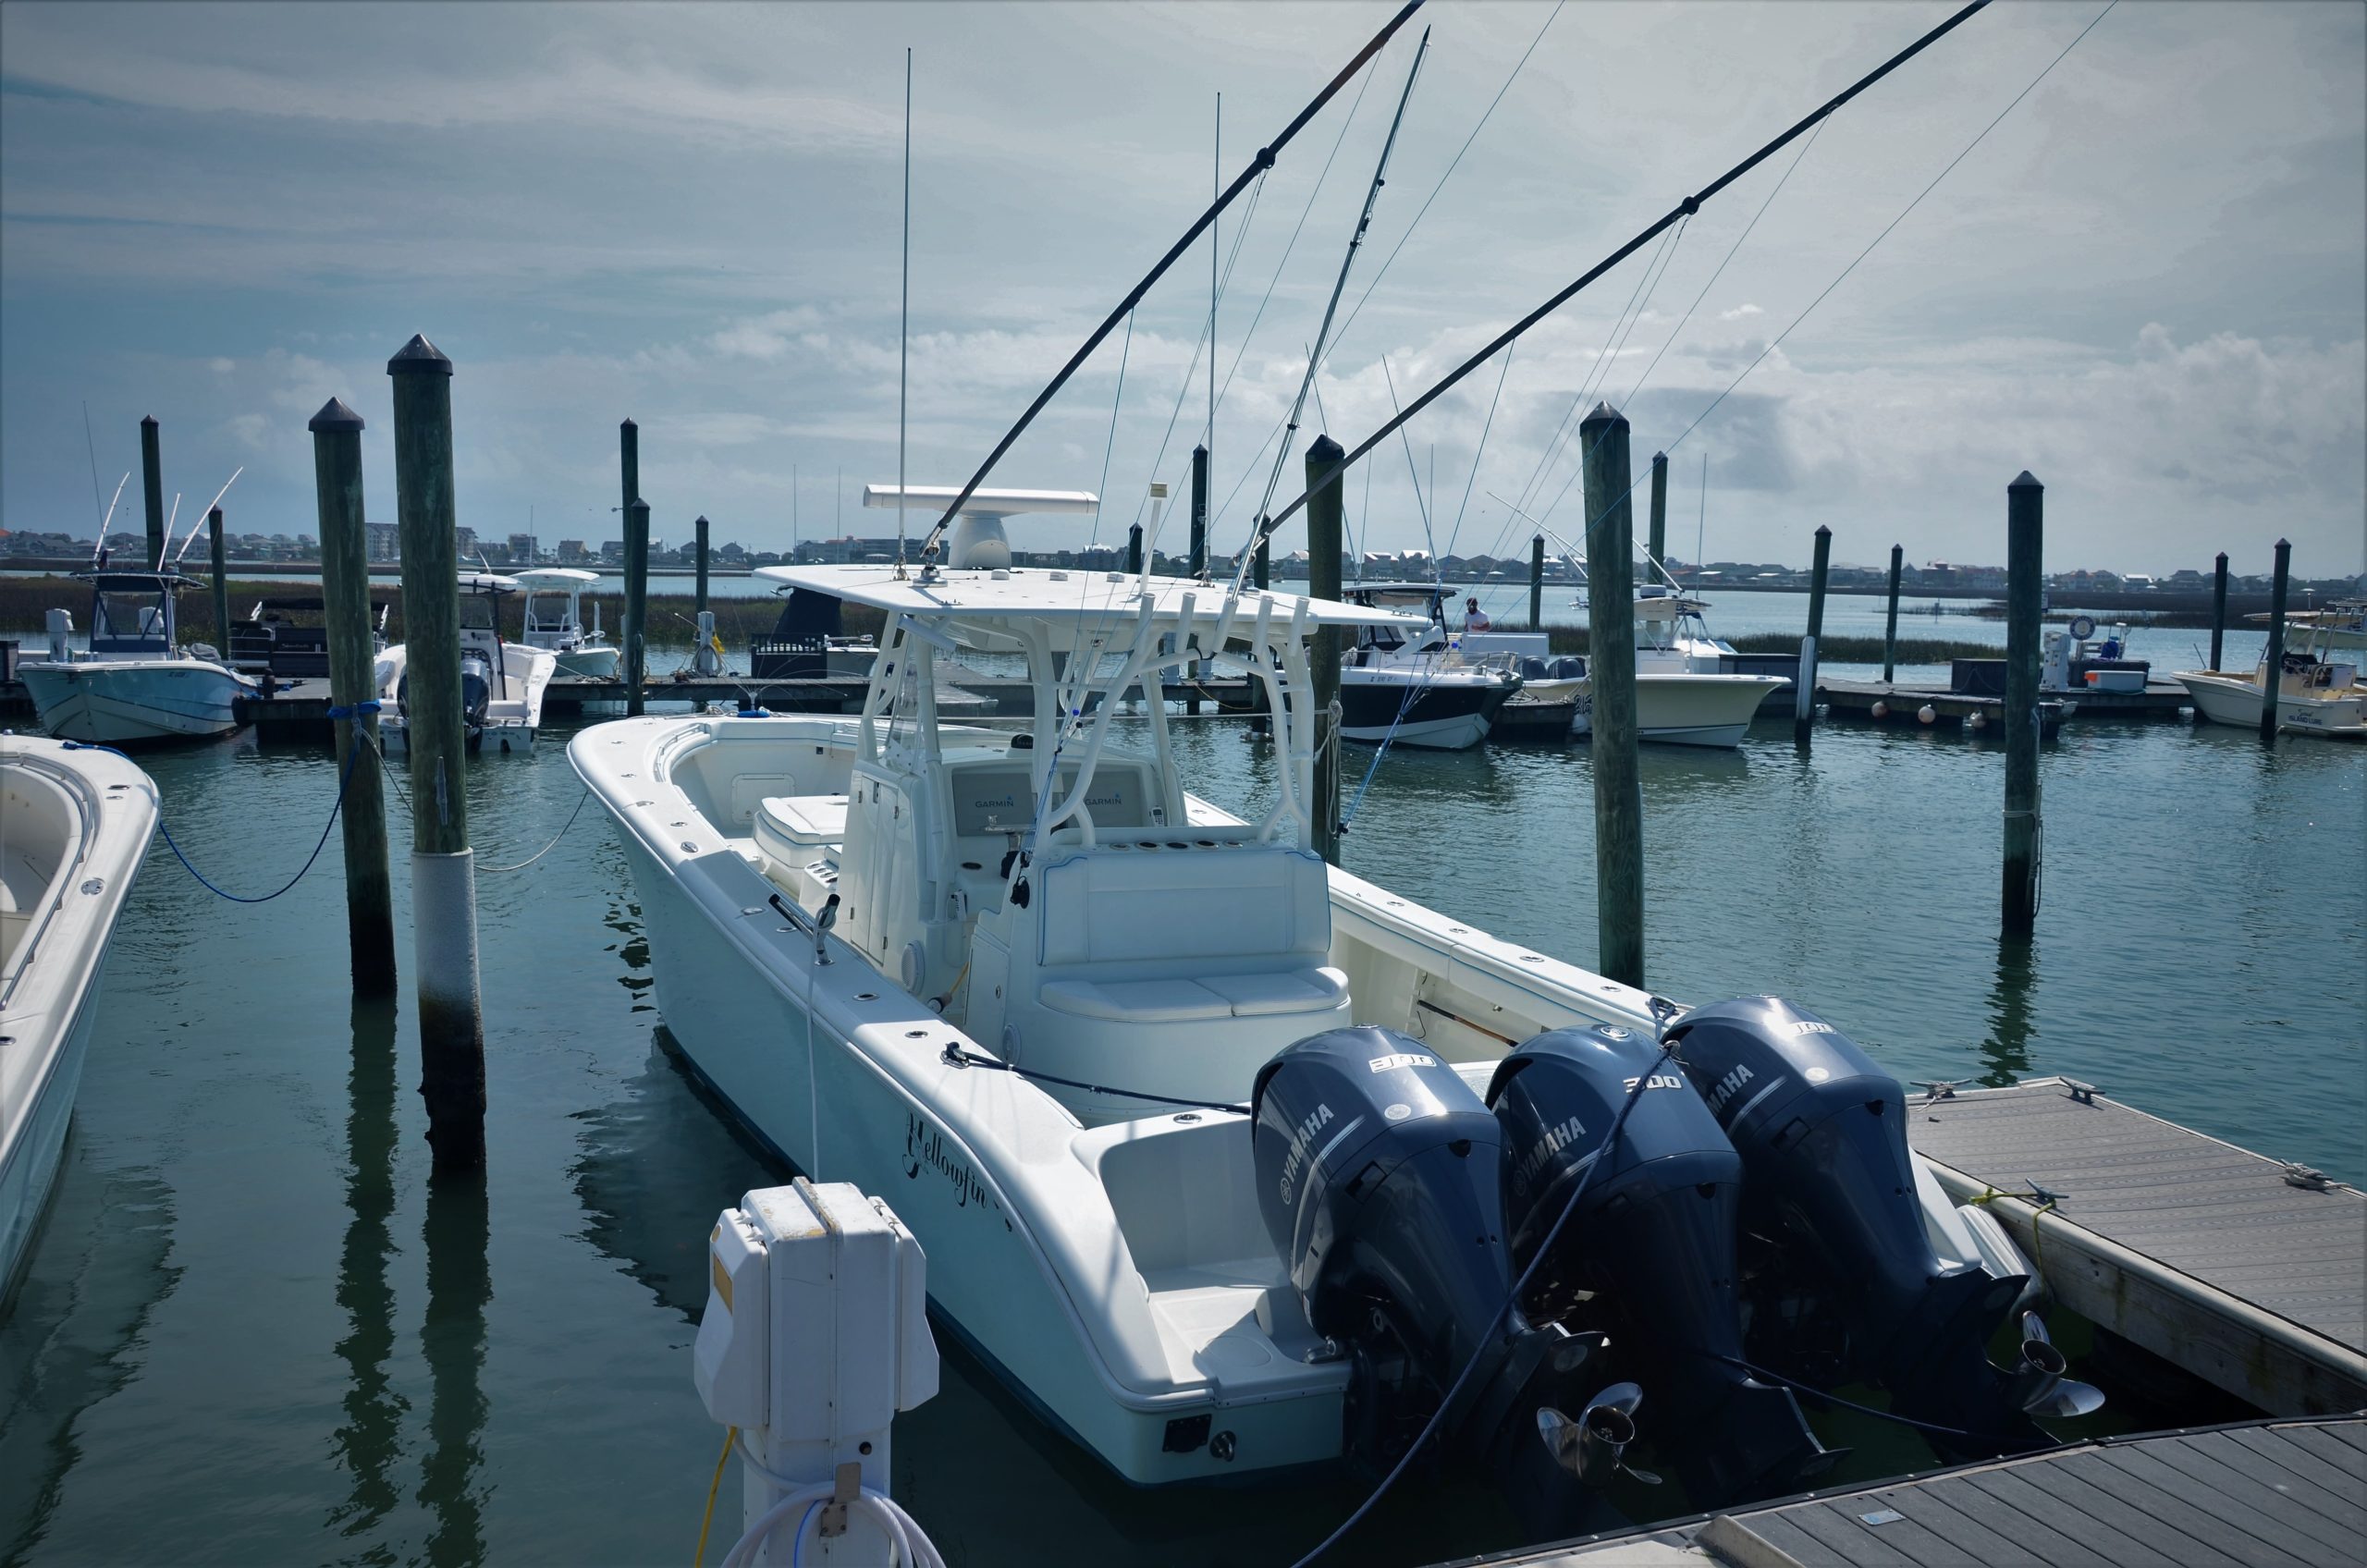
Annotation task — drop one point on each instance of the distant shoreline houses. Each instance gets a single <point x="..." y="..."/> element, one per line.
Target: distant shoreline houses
<point x="519" y="550"/>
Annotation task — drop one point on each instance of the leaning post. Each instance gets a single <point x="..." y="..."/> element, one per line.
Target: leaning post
<point x="443" y="873"/>
<point x="1323" y="534"/>
<point x="2218" y="610"/>
<point x="1658" y="537"/>
<point x="636" y="601"/>
<point x="1537" y="583"/>
<point x="1804" y="697"/>
<point x="2025" y="574"/>
<point x="345" y="598"/>
<point x="221" y="583"/>
<point x="1609" y="543"/>
<point x="151" y="486"/>
<point x="1890" y="622"/>
<point x="2272" y="669"/>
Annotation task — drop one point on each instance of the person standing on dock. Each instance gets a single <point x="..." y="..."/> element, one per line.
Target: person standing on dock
<point x="1473" y="618"/>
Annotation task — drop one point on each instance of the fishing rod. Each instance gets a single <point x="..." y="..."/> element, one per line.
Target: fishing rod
<point x="209" y="508"/>
<point x="1338" y="286"/>
<point x="100" y="548"/>
<point x="1258" y="165"/>
<point x="1685" y="209"/>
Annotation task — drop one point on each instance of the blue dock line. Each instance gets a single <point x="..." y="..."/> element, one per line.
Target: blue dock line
<point x="352" y="757"/>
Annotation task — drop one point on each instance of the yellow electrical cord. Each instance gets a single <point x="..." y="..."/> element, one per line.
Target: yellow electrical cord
<point x="729" y="1437"/>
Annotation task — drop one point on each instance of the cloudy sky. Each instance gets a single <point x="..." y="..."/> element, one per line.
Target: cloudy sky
<point x="2148" y="284"/>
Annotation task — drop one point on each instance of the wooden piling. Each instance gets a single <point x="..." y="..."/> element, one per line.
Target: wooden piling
<point x="2272" y="667"/>
<point x="1804" y="694"/>
<point x="1324" y="531"/>
<point x="1135" y="550"/>
<point x="444" y="905"/>
<point x="1658" y="537"/>
<point x="698" y="536"/>
<point x="1610" y="669"/>
<point x="344" y="599"/>
<point x="1199" y="513"/>
<point x="636" y="602"/>
<point x="1262" y="567"/>
<point x="221" y="583"/>
<point x="1890" y="622"/>
<point x="2025" y="578"/>
<point x="1537" y="583"/>
<point x="2218" y="610"/>
<point x="151" y="486"/>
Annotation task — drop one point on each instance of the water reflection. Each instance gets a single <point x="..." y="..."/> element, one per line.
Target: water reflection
<point x="367" y="1441"/>
<point x="2006" y="1049"/>
<point x="659" y="1162"/>
<point x="452" y="1342"/>
<point x="71" y="1336"/>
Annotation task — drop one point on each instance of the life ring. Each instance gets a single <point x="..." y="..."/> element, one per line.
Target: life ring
<point x="2083" y="626"/>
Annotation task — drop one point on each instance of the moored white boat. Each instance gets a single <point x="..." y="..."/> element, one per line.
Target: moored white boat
<point x="135" y="684"/>
<point x="74" y="822"/>
<point x="580" y="651"/>
<point x="2318" y="691"/>
<point x="1026" y="987"/>
<point x="1417" y="687"/>
<point x="501" y="683"/>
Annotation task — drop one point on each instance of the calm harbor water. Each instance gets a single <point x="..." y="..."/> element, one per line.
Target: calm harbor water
<point x="253" y="1332"/>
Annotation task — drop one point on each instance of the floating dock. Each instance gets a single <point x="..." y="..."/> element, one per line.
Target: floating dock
<point x="2248" y="1273"/>
<point x="2257" y="1493"/>
<point x="1900" y="704"/>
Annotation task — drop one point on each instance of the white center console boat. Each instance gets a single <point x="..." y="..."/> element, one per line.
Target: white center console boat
<point x="501" y="683"/>
<point x="559" y="626"/>
<point x="1225" y="1158"/>
<point x="1418" y="688"/>
<point x="135" y="684"/>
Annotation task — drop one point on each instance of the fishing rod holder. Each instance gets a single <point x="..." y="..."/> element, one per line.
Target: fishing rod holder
<point x="815" y="925"/>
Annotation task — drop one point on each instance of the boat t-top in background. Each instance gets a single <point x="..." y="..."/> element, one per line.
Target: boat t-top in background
<point x="580" y="652"/>
<point x="135" y="684"/>
<point x="501" y="683"/>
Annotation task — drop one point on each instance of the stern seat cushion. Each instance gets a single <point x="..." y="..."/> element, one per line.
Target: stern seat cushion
<point x="1317" y="989"/>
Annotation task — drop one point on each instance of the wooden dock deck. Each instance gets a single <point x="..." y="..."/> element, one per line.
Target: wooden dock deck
<point x="2258" y="1492"/>
<point x="2250" y="1273"/>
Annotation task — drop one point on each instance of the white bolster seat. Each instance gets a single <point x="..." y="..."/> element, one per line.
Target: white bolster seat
<point x="1319" y="989"/>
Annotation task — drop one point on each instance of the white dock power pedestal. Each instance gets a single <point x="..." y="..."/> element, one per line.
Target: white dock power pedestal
<point x="816" y="1335"/>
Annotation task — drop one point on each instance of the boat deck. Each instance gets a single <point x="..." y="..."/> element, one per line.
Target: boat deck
<point x="2255" y="1493"/>
<point x="2248" y="1272"/>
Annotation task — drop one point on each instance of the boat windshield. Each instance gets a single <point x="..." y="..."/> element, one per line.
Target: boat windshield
<point x="479" y="613"/>
<point x="127" y="619"/>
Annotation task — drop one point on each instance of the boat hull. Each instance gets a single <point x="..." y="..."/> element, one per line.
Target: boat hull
<point x="1694" y="709"/>
<point x="79" y="823"/>
<point x="591" y="664"/>
<point x="118" y="703"/>
<point x="2228" y="698"/>
<point x="1447" y="716"/>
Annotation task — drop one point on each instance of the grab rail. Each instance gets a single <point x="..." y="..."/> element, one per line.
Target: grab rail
<point x="816" y="926"/>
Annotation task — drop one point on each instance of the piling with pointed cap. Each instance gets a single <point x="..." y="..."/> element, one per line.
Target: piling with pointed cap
<point x="152" y="484"/>
<point x="1199" y="511"/>
<point x="1262" y="567"/>
<point x="1611" y="670"/>
<point x="2272" y="667"/>
<point x="1324" y="530"/>
<point x="344" y="599"/>
<point x="1804" y="697"/>
<point x="698" y="547"/>
<point x="1537" y="583"/>
<point x="444" y="896"/>
<point x="1658" y="534"/>
<point x="636" y="602"/>
<point x="221" y="583"/>
<point x="1889" y="624"/>
<point x="2025" y="576"/>
<point x="2218" y="610"/>
<point x="707" y="661"/>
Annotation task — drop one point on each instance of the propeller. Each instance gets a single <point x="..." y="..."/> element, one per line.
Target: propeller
<point x="1594" y="1446"/>
<point x="2039" y="1387"/>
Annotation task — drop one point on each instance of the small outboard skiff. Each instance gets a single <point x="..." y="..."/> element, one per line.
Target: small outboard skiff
<point x="501" y="683"/>
<point x="1228" y="1160"/>
<point x="74" y="822"/>
<point x="560" y="627"/>
<point x="1418" y="688"/>
<point x="135" y="684"/>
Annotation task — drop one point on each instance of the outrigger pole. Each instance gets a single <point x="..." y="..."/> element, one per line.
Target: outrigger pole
<point x="1258" y="165"/>
<point x="1684" y="209"/>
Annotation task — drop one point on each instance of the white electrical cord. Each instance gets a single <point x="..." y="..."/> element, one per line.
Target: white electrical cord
<point x="906" y="1540"/>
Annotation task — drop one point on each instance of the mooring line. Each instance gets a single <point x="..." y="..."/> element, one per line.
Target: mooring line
<point x="351" y="757"/>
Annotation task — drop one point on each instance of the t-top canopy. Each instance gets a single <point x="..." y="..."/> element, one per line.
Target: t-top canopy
<point x="560" y="574"/>
<point x="1075" y="597"/>
<point x="113" y="581"/>
<point x="487" y="582"/>
<point x="985" y="503"/>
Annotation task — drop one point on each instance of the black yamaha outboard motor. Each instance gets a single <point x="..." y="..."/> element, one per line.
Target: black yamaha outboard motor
<point x="476" y="693"/>
<point x="1650" y="1248"/>
<point x="1829" y="1187"/>
<point x="1380" y="1178"/>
